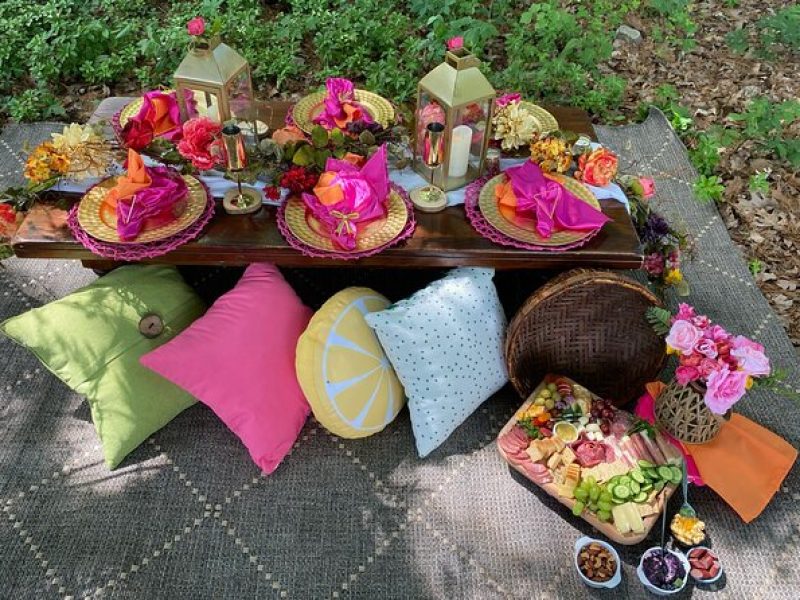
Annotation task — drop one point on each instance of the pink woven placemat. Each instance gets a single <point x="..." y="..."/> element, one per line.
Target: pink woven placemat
<point x="135" y="252"/>
<point x="483" y="227"/>
<point x="307" y="250"/>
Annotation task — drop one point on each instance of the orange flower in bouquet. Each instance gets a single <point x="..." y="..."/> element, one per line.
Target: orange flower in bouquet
<point x="551" y="154"/>
<point x="45" y="163"/>
<point x="597" y="168"/>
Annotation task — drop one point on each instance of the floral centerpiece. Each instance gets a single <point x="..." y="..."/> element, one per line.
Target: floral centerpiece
<point x="513" y="125"/>
<point x="715" y="370"/>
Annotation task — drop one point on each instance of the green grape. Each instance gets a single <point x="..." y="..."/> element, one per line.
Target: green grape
<point x="603" y="505"/>
<point x="577" y="509"/>
<point x="591" y="480"/>
<point x="604" y="516"/>
<point x="581" y="494"/>
<point x="594" y="493"/>
<point x="593" y="506"/>
<point x="605" y="496"/>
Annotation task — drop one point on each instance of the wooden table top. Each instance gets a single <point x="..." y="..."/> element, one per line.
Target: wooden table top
<point x="444" y="239"/>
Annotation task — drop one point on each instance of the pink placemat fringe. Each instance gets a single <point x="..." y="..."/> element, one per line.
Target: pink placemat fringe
<point x="306" y="250"/>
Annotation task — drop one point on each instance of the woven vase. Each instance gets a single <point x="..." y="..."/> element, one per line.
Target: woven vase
<point x="682" y="411"/>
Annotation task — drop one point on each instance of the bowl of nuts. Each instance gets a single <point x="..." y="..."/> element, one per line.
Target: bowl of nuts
<point x="597" y="563"/>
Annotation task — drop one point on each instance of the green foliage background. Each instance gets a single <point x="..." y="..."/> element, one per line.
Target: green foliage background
<point x="550" y="50"/>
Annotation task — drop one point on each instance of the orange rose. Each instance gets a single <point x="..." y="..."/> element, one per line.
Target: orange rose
<point x="597" y="168"/>
<point x="291" y="133"/>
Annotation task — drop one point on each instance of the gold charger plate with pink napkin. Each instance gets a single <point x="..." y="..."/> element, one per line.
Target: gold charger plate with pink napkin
<point x="524" y="229"/>
<point x="101" y="223"/>
<point x="306" y="228"/>
<point x="308" y="107"/>
<point x="545" y="122"/>
<point x="132" y="108"/>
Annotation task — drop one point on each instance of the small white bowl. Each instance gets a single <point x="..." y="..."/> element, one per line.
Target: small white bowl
<point x="653" y="589"/>
<point x="711" y="579"/>
<point x="615" y="579"/>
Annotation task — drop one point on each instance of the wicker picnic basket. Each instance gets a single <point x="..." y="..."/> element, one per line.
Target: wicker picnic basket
<point x="682" y="411"/>
<point x="590" y="326"/>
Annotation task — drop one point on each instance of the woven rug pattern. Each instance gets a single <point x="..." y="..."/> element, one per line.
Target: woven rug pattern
<point x="188" y="515"/>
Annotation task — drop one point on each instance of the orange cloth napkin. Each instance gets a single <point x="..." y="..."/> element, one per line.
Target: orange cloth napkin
<point x="134" y="181"/>
<point x="161" y="117"/>
<point x="745" y="464"/>
<point x="327" y="191"/>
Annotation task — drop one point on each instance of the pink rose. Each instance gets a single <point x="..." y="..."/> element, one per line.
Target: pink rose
<point x="742" y="342"/>
<point x="707" y="348"/>
<point x="690" y="360"/>
<point x="725" y="388"/>
<point x="717" y="333"/>
<point x="201" y="143"/>
<point x="751" y="361"/>
<point x="683" y="336"/>
<point x="507" y="99"/>
<point x="707" y="366"/>
<point x="196" y="26"/>
<point x="685" y="312"/>
<point x="701" y="321"/>
<point x="454" y="43"/>
<point x="684" y="375"/>
<point x="648" y="186"/>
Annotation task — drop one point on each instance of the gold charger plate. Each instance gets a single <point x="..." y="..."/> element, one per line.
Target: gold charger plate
<point x="524" y="229"/>
<point x="306" y="228"/>
<point x="310" y="106"/>
<point x="92" y="221"/>
<point x="545" y="121"/>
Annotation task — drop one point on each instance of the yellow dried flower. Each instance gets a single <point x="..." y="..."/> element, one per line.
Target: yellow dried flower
<point x="514" y="126"/>
<point x="551" y="154"/>
<point x="674" y="277"/>
<point x="75" y="135"/>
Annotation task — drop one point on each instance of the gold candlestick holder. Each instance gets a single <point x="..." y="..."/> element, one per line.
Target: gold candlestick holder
<point x="243" y="199"/>
<point x="431" y="198"/>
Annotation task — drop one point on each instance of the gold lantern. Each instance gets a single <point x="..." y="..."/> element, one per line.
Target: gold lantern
<point x="213" y="80"/>
<point x="457" y="95"/>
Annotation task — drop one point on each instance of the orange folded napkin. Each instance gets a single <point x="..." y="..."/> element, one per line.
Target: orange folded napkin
<point x="127" y="185"/>
<point x="745" y="464"/>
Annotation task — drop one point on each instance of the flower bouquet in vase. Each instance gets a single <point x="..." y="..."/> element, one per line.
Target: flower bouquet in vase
<point x="715" y="370"/>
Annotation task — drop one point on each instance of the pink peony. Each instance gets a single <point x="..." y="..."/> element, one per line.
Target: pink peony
<point x="684" y="375"/>
<point x="701" y="321"/>
<point x="196" y="26"/>
<point x="454" y="43"/>
<point x="683" y="336"/>
<point x="200" y="143"/>
<point x="750" y="357"/>
<point x="648" y="186"/>
<point x="685" y="312"/>
<point x="707" y="348"/>
<point x="725" y="388"/>
<point x="717" y="333"/>
<point x="507" y="99"/>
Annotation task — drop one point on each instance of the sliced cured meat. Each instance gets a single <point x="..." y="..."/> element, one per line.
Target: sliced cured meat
<point x="611" y="455"/>
<point x="668" y="449"/>
<point x="628" y="451"/>
<point x="653" y="449"/>
<point x="539" y="473"/>
<point x="589" y="453"/>
<point x="508" y="446"/>
<point x="518" y="433"/>
<point x="641" y="449"/>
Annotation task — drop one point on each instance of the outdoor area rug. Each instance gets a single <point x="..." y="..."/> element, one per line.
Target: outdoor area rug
<point x="188" y="515"/>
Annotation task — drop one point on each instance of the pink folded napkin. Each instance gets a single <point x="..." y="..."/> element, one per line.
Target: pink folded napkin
<point x="530" y="194"/>
<point x="340" y="106"/>
<point x="346" y="197"/>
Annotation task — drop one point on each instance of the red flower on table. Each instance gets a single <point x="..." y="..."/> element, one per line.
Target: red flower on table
<point x="8" y="221"/>
<point x="200" y="143"/>
<point x="272" y="192"/>
<point x="137" y="135"/>
<point x="299" y="179"/>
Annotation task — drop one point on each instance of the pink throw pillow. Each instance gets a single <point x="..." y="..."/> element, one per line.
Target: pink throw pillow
<point x="238" y="359"/>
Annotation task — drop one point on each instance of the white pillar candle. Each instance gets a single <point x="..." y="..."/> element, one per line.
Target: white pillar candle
<point x="459" y="150"/>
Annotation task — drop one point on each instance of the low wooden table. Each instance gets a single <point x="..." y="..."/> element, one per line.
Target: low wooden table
<point x="444" y="239"/>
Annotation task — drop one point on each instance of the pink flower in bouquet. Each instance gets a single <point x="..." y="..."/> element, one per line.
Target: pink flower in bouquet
<point x="648" y="186"/>
<point x="196" y="26"/>
<point x="707" y="366"/>
<point x="507" y="99"/>
<point x="654" y="264"/>
<point x="137" y="134"/>
<point x="454" y="43"/>
<point x="750" y="357"/>
<point x="340" y="106"/>
<point x="700" y="321"/>
<point x="717" y="333"/>
<point x="684" y="375"/>
<point x="290" y="133"/>
<point x="200" y="143"/>
<point x="685" y="312"/>
<point x="707" y="348"/>
<point x="683" y="337"/>
<point x="690" y="360"/>
<point x="725" y="388"/>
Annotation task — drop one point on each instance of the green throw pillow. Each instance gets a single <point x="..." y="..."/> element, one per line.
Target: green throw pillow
<point x="92" y="340"/>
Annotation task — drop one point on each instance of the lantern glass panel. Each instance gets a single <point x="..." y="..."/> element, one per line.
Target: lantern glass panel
<point x="200" y="103"/>
<point x="429" y="111"/>
<point x="467" y="140"/>
<point x="240" y="94"/>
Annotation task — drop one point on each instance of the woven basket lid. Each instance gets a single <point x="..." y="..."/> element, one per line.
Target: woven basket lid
<point x="590" y="326"/>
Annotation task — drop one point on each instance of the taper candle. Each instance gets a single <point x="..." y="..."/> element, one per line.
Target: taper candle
<point x="459" y="151"/>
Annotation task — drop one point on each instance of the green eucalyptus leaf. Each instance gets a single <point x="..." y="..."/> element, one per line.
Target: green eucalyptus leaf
<point x="321" y="157"/>
<point x="337" y="138"/>
<point x="319" y="137"/>
<point x="367" y="138"/>
<point x="304" y="156"/>
<point x="339" y="153"/>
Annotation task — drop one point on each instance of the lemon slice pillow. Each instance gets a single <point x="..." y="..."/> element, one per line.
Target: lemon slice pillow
<point x="344" y="373"/>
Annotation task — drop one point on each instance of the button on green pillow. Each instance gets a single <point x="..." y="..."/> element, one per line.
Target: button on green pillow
<point x="92" y="340"/>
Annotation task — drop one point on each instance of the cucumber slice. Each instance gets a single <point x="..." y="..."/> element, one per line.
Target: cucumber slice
<point x="635" y="487"/>
<point x="665" y="473"/>
<point x="646" y="464"/>
<point x="677" y="475"/>
<point x="651" y="472"/>
<point x="641" y="497"/>
<point x="637" y="476"/>
<point x="622" y="491"/>
<point x="659" y="485"/>
<point x="616" y="500"/>
<point x="646" y="487"/>
<point x="625" y="480"/>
